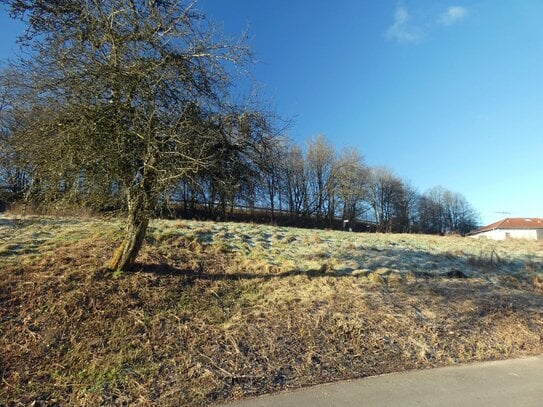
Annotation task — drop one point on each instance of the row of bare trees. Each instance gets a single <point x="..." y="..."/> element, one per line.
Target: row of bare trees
<point x="317" y="185"/>
<point x="310" y="186"/>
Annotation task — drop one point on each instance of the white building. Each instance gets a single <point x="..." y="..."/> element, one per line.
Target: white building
<point x="512" y="228"/>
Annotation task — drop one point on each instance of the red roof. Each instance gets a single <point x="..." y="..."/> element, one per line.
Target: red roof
<point x="513" y="223"/>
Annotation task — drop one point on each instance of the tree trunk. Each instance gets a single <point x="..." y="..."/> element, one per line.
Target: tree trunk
<point x="125" y="255"/>
<point x="272" y="208"/>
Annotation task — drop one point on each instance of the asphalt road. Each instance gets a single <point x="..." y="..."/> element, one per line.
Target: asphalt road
<point x="508" y="383"/>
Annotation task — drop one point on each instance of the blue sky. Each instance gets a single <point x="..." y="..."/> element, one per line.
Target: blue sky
<point x="442" y="92"/>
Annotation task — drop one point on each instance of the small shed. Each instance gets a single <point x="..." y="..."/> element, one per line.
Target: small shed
<point x="511" y="228"/>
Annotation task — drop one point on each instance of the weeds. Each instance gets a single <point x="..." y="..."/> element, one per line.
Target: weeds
<point x="484" y="260"/>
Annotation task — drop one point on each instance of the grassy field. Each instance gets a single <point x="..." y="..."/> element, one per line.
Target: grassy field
<point x="220" y="311"/>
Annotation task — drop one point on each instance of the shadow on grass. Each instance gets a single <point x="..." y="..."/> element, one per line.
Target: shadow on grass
<point x="168" y="270"/>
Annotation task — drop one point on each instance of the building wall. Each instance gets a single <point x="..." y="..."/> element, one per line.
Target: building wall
<point x="502" y="234"/>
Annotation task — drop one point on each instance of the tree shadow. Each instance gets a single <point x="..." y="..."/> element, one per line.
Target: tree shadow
<point x="163" y="269"/>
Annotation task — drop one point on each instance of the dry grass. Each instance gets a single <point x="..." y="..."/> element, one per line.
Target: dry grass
<point x="223" y="311"/>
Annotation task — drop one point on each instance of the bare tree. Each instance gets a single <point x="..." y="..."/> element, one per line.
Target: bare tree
<point x="433" y="210"/>
<point x="272" y="162"/>
<point x="443" y="211"/>
<point x="295" y="174"/>
<point x="383" y="192"/>
<point x="352" y="178"/>
<point x="459" y="215"/>
<point x="320" y="159"/>
<point x="405" y="209"/>
<point x="129" y="92"/>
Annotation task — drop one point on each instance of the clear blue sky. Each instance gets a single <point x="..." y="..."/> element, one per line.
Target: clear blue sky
<point x="443" y="92"/>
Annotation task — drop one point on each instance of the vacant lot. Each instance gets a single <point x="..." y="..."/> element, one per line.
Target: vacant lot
<point x="219" y="311"/>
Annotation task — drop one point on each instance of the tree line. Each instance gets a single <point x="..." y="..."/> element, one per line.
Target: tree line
<point x="132" y="105"/>
<point x="313" y="185"/>
<point x="316" y="185"/>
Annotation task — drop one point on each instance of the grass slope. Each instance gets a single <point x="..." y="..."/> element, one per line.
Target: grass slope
<point x="219" y="311"/>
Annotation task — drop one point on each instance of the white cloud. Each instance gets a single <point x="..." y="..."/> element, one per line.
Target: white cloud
<point x="401" y="30"/>
<point x="452" y="15"/>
